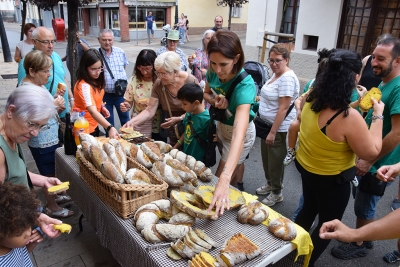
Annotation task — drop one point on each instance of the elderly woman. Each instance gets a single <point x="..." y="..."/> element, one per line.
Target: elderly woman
<point x="25" y="46"/>
<point x="139" y="88"/>
<point x="43" y="145"/>
<point x="277" y="95"/>
<point x="165" y="90"/>
<point x="27" y="112"/>
<point x="199" y="64"/>
<point x="236" y="133"/>
<point x="327" y="130"/>
<point x="172" y="45"/>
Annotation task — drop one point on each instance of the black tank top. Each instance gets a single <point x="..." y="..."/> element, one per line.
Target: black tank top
<point x="368" y="79"/>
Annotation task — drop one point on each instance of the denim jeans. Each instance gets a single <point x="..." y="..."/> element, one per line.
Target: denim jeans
<point x="114" y="101"/>
<point x="182" y="35"/>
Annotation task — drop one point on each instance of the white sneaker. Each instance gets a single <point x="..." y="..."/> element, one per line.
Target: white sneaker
<point x="264" y="190"/>
<point x="272" y="199"/>
<point x="290" y="156"/>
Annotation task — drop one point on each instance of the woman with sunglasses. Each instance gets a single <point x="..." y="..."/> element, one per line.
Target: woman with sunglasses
<point x="138" y="92"/>
<point x="89" y="92"/>
<point x="38" y="67"/>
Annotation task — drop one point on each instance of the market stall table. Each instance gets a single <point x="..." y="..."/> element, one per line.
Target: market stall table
<point x="130" y="249"/>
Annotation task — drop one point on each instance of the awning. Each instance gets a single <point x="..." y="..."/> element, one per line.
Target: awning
<point x="160" y="3"/>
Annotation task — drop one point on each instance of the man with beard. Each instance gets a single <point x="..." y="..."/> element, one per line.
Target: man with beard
<point x="385" y="64"/>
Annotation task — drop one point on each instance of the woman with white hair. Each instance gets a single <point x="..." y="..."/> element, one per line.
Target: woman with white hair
<point x="199" y="64"/>
<point x="27" y="111"/>
<point x="165" y="89"/>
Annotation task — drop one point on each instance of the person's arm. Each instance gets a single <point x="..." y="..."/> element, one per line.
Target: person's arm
<point x="179" y="144"/>
<point x="85" y="46"/>
<point x="46" y="225"/>
<point x="221" y="192"/>
<point x="112" y="133"/>
<point x="145" y="115"/>
<point x="388" y="173"/>
<point x="17" y="55"/>
<point x="382" y="229"/>
<point x="284" y="104"/>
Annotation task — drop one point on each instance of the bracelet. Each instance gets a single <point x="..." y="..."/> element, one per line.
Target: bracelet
<point x="71" y="99"/>
<point x="109" y="127"/>
<point x="179" y="141"/>
<point x="375" y="117"/>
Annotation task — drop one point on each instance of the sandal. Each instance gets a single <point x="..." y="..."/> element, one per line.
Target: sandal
<point x="64" y="213"/>
<point x="392" y="257"/>
<point x="62" y="199"/>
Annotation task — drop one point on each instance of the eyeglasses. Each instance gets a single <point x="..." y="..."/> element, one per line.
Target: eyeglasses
<point x="145" y="68"/>
<point x="47" y="42"/>
<point x="277" y="61"/>
<point x="94" y="70"/>
<point x="37" y="127"/>
<point x="162" y="74"/>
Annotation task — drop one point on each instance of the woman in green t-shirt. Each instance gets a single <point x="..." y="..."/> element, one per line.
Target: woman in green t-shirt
<point x="236" y="133"/>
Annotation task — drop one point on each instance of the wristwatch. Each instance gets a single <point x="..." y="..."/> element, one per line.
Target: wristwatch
<point x="375" y="117"/>
<point x="109" y="127"/>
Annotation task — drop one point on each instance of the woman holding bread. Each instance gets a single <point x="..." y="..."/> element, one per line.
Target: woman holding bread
<point x="328" y="144"/>
<point x="236" y="133"/>
<point x="138" y="92"/>
<point x="89" y="92"/>
<point x="164" y="93"/>
<point x="37" y="66"/>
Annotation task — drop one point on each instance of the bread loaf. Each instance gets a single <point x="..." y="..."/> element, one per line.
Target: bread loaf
<point x="200" y="233"/>
<point x="164" y="147"/>
<point x="187" y="187"/>
<point x="86" y="150"/>
<point x="366" y="102"/>
<point x="238" y="249"/>
<point x="198" y="167"/>
<point x="138" y="155"/>
<point x="112" y="172"/>
<point x="206" y="193"/>
<point x="166" y="173"/>
<point x="253" y="213"/>
<point x="182" y="219"/>
<point x="155" y="233"/>
<point x="152" y="151"/>
<point x="283" y="228"/>
<point x="97" y="156"/>
<point x="184" y="172"/>
<point x="88" y="138"/>
<point x="185" y="202"/>
<point x="136" y="176"/>
<point x="110" y="150"/>
<point x="123" y="164"/>
<point x="182" y="249"/>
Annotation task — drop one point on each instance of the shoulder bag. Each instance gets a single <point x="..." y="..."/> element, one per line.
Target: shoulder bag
<point x="120" y="85"/>
<point x="179" y="128"/>
<point x="264" y="127"/>
<point x="210" y="156"/>
<point x="219" y="114"/>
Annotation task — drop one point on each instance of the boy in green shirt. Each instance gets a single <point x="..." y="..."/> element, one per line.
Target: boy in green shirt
<point x="196" y="121"/>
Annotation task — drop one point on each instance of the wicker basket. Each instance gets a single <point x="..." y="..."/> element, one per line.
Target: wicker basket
<point x="123" y="199"/>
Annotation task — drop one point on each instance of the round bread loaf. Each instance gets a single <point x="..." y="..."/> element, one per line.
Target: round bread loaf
<point x="283" y="228"/>
<point x="253" y="213"/>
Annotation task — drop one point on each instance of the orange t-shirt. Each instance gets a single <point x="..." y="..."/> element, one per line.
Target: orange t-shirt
<point x="85" y="96"/>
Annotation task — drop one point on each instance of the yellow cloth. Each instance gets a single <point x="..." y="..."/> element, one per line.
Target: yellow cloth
<point x="317" y="153"/>
<point x="302" y="241"/>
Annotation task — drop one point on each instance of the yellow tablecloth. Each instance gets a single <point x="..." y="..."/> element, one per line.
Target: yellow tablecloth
<point x="302" y="241"/>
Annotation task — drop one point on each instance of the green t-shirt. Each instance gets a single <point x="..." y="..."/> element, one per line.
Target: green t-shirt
<point x="244" y="93"/>
<point x="200" y="125"/>
<point x="391" y="98"/>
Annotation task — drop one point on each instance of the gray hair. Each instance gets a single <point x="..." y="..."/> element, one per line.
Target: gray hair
<point x="31" y="102"/>
<point x="36" y="31"/>
<point x="169" y="61"/>
<point x="103" y="31"/>
<point x="204" y="37"/>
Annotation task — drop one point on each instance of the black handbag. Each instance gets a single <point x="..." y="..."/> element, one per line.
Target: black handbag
<point x="120" y="85"/>
<point x="346" y="175"/>
<point x="371" y="185"/>
<point x="264" y="127"/>
<point x="219" y="114"/>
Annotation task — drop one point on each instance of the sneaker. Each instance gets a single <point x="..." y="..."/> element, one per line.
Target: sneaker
<point x="272" y="199"/>
<point x="290" y="156"/>
<point x="368" y="244"/>
<point x="349" y="251"/>
<point x="395" y="204"/>
<point x="264" y="190"/>
<point x="392" y="257"/>
<point x="240" y="186"/>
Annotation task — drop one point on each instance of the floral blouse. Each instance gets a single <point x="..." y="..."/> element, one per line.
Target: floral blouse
<point x="200" y="62"/>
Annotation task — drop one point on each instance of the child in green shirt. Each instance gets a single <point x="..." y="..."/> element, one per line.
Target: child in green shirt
<point x="196" y="121"/>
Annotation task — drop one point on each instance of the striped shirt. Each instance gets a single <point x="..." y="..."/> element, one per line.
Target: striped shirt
<point x="286" y="85"/>
<point x="117" y="61"/>
<point x="17" y="257"/>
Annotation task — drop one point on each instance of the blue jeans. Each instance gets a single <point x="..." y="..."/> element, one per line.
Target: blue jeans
<point x="299" y="207"/>
<point x="114" y="101"/>
<point x="182" y="34"/>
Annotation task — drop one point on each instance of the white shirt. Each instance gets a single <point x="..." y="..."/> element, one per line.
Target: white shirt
<point x="24" y="48"/>
<point x="286" y="85"/>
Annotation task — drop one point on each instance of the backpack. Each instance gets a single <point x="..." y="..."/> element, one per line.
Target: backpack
<point x="259" y="73"/>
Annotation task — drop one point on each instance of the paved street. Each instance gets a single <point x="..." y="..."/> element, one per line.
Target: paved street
<point x="84" y="249"/>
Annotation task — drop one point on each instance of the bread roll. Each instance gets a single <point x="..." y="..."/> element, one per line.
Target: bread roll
<point x="253" y="213"/>
<point x="283" y="228"/>
<point x="133" y="176"/>
<point x="61" y="86"/>
<point x="166" y="173"/>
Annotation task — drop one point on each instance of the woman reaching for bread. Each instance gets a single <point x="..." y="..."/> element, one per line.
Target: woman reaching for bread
<point x="89" y="92"/>
<point x="236" y="134"/>
<point x="328" y="144"/>
<point x="138" y="92"/>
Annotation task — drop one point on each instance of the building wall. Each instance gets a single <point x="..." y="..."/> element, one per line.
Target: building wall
<point x="316" y="18"/>
<point x="7" y="10"/>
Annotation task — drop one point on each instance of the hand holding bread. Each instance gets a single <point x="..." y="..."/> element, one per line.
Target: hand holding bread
<point x="366" y="102"/>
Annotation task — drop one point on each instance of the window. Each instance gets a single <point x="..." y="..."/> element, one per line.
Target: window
<point x="158" y="14"/>
<point x="289" y="18"/>
<point x="236" y="12"/>
<point x="94" y="22"/>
